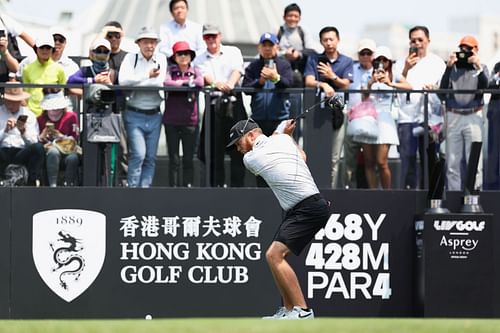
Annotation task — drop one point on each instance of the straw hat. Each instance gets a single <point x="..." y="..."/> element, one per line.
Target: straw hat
<point x="15" y="94"/>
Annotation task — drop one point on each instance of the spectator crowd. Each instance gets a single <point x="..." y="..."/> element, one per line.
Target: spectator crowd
<point x="41" y="132"/>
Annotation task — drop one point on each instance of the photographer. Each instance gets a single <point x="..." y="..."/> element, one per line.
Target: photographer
<point x="376" y="152"/>
<point x="464" y="112"/>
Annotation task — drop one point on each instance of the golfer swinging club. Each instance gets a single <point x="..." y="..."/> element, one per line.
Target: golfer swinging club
<point x="281" y="162"/>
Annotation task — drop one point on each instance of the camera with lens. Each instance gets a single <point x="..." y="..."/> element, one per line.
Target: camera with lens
<point x="463" y="59"/>
<point x="101" y="95"/>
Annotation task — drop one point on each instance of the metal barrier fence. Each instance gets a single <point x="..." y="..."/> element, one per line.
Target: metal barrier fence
<point x="312" y="130"/>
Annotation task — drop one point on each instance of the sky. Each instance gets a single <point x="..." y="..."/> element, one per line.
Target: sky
<point x="348" y="16"/>
<point x="351" y="15"/>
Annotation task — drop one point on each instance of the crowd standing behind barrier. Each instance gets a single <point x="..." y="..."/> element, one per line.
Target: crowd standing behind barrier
<point x="222" y="69"/>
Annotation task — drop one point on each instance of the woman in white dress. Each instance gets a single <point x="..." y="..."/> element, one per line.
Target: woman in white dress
<point x="376" y="152"/>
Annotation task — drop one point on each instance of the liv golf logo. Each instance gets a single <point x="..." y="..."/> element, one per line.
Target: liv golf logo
<point x="459" y="237"/>
<point x="69" y="247"/>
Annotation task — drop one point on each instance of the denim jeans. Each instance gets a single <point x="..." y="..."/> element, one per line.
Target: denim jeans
<point x="53" y="162"/>
<point x="175" y="135"/>
<point x="143" y="133"/>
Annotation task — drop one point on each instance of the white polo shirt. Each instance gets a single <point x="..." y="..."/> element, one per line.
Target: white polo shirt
<point x="278" y="160"/>
<point x="220" y="66"/>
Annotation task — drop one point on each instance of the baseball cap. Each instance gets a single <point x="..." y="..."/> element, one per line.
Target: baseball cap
<point x="100" y="42"/>
<point x="46" y="39"/>
<point x="268" y="36"/>
<point x="367" y="44"/>
<point x="383" y="51"/>
<point x="147" y="32"/>
<point x="470" y="41"/>
<point x="239" y="129"/>
<point x="58" y="30"/>
<point x="210" y="29"/>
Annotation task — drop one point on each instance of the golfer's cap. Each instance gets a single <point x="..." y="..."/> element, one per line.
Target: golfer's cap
<point x="239" y="129"/>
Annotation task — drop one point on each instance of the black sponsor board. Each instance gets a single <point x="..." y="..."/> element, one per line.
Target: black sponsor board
<point x="145" y="270"/>
<point x="457" y="266"/>
<point x="362" y="265"/>
<point x="4" y="251"/>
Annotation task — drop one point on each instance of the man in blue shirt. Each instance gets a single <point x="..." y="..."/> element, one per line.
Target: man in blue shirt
<point x="326" y="72"/>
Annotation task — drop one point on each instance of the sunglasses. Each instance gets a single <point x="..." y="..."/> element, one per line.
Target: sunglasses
<point x="101" y="51"/>
<point x="365" y="53"/>
<point x="45" y="47"/>
<point x="59" y="39"/>
<point x="210" y="36"/>
<point x="183" y="53"/>
<point x="116" y="35"/>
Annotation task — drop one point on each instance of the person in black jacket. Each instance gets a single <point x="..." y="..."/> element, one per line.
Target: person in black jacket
<point x="269" y="72"/>
<point x="492" y="177"/>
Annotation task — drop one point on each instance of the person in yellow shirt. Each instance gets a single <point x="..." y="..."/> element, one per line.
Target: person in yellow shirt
<point x="42" y="71"/>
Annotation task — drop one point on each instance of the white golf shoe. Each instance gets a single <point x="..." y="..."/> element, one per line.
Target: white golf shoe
<point x="280" y="314"/>
<point x="297" y="313"/>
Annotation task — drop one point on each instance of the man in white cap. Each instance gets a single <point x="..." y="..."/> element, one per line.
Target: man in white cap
<point x="58" y="55"/>
<point x="113" y="32"/>
<point x="142" y="117"/>
<point x="44" y="70"/>
<point x="19" y="134"/>
<point x="362" y="73"/>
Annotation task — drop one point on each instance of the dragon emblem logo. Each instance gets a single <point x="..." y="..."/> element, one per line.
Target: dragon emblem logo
<point x="69" y="247"/>
<point x="65" y="256"/>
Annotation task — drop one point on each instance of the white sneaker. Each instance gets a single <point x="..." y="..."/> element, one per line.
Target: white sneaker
<point x="281" y="313"/>
<point x="297" y="313"/>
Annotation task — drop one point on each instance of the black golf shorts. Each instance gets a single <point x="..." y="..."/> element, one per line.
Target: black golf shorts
<point x="302" y="222"/>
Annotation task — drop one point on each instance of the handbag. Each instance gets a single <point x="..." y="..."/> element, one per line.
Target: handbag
<point x="363" y="124"/>
<point x="103" y="127"/>
<point x="66" y="145"/>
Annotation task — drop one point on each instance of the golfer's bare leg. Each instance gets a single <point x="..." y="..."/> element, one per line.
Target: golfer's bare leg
<point x="284" y="276"/>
